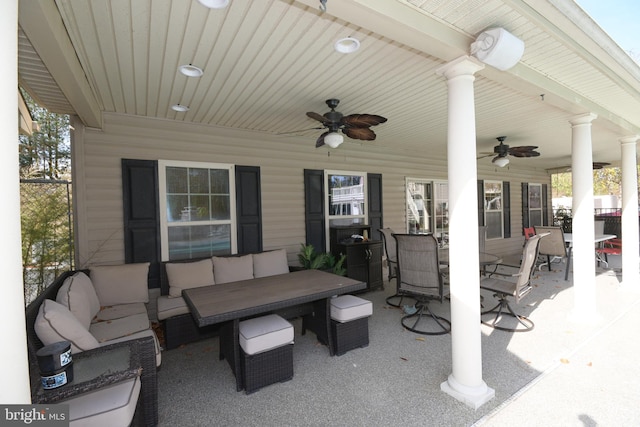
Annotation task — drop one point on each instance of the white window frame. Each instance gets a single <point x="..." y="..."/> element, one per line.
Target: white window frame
<point x="487" y="210"/>
<point x="164" y="224"/>
<point x="540" y="209"/>
<point x="328" y="217"/>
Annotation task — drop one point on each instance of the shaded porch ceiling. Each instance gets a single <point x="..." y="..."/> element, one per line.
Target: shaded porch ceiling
<point x="267" y="63"/>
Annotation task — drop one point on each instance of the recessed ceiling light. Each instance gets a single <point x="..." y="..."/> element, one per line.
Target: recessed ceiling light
<point x="215" y="4"/>
<point x="190" y="70"/>
<point x="347" y="45"/>
<point x="179" y="108"/>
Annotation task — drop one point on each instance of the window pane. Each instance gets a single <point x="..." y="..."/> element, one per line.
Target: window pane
<point x="198" y="181"/>
<point x="494" y="225"/>
<point x="535" y="218"/>
<point x="199" y="241"/>
<point x="199" y="208"/>
<point x="220" y="208"/>
<point x="178" y="208"/>
<point x="535" y="196"/>
<point x="176" y="180"/>
<point x="219" y="181"/>
<point x="346" y="195"/>
<point x="419" y="207"/>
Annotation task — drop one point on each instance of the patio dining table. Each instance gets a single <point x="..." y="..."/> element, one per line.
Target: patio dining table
<point x="599" y="238"/>
<point x="229" y="303"/>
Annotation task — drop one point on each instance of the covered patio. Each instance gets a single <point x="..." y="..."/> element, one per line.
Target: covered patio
<point x="559" y="374"/>
<point x="113" y="66"/>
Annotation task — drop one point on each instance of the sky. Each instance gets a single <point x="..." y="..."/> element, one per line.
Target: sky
<point x="620" y="19"/>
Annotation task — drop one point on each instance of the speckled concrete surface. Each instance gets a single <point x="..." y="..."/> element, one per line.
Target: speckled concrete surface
<point x="561" y="373"/>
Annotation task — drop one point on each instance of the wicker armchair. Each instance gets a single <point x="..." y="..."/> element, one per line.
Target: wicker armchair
<point x="420" y="277"/>
<point x="519" y="289"/>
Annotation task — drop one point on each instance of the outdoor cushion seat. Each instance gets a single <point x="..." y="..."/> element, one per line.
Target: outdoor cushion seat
<point x="171" y="307"/>
<point x="119" y="311"/>
<point x="116" y="328"/>
<point x="264" y="333"/>
<point x="350" y="323"/>
<point x="109" y="406"/>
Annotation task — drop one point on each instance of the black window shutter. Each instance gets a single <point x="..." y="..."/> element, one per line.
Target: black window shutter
<point x="374" y="185"/>
<point x="545" y="205"/>
<point x="141" y="215"/>
<point x="248" y="209"/>
<point x="525" y="206"/>
<point x="506" y="208"/>
<point x="314" y="208"/>
<point x="480" y="203"/>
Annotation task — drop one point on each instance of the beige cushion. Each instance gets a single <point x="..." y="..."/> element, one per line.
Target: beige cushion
<point x="112" y="312"/>
<point x="270" y="263"/>
<point x="349" y="307"/>
<point x="264" y="333"/>
<point x="112" y="405"/>
<point x="116" y="328"/>
<point x="233" y="268"/>
<point x="79" y="296"/>
<point x="56" y="323"/>
<point x="169" y="307"/>
<point x="121" y="284"/>
<point x="141" y="334"/>
<point x="186" y="275"/>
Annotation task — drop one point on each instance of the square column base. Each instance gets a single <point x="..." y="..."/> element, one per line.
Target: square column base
<point x="473" y="397"/>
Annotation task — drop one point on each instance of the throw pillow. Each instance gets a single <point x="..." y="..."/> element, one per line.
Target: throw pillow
<point x="270" y="263"/>
<point x="56" y="323"/>
<point x="121" y="284"/>
<point x="232" y="269"/>
<point x="186" y="275"/>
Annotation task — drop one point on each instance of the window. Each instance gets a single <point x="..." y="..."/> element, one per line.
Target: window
<point x="197" y="209"/>
<point x="428" y="207"/>
<point x="535" y="204"/>
<point x="493" y="213"/>
<point x="346" y="197"/>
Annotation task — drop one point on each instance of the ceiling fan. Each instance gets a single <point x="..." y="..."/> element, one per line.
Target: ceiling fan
<point x="503" y="150"/>
<point x="356" y="126"/>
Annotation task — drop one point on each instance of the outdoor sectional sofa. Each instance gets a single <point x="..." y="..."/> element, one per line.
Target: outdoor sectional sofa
<point x="175" y="276"/>
<point x="96" y="310"/>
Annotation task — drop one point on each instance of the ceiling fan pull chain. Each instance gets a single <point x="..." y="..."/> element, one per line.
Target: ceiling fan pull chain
<point x="323" y="5"/>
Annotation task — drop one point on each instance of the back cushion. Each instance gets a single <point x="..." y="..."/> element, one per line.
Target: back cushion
<point x="232" y="269"/>
<point x="186" y="275"/>
<point x="121" y="284"/>
<point x="270" y="263"/>
<point x="79" y="296"/>
<point x="56" y="323"/>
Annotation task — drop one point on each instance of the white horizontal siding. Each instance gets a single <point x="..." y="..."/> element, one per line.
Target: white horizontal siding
<point x="281" y="159"/>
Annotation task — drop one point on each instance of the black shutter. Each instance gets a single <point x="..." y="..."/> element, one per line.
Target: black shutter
<point x="480" y="203"/>
<point x="506" y="208"/>
<point x="141" y="215"/>
<point x="248" y="209"/>
<point x="314" y="208"/>
<point x="545" y="205"/>
<point x="374" y="185"/>
<point x="525" y="206"/>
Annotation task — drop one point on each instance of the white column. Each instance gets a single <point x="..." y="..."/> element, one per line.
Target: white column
<point x="584" y="269"/>
<point x="14" y="369"/>
<point x="630" y="227"/>
<point x="465" y="382"/>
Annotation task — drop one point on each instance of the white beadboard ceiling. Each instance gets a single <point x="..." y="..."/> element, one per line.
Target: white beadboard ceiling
<point x="267" y="62"/>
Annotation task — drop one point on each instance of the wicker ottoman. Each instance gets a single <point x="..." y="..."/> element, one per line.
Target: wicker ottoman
<point x="266" y="354"/>
<point x="350" y="323"/>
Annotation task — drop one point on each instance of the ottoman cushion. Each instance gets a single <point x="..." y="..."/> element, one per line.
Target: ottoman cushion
<point x="264" y="333"/>
<point x="348" y="307"/>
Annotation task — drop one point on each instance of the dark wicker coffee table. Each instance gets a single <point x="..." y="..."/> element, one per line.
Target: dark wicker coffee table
<point x="229" y="303"/>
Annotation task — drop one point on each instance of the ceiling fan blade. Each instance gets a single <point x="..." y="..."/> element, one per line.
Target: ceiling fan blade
<point x="320" y="140"/>
<point x="525" y="154"/>
<point x="300" y="130"/>
<point x="485" y="155"/>
<point x="363" y="120"/>
<point x="318" y="117"/>
<point x="365" y="134"/>
<point x="600" y="165"/>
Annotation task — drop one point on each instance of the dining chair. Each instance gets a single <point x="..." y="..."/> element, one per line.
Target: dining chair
<point x="517" y="289"/>
<point x="390" y="250"/>
<point x="609" y="247"/>
<point x="554" y="246"/>
<point x="420" y="277"/>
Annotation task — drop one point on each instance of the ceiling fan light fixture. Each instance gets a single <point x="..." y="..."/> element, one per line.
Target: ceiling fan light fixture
<point x="347" y="45"/>
<point x="180" y="108"/>
<point x="214" y="4"/>
<point x="500" y="161"/>
<point x="333" y="139"/>
<point x="190" y="70"/>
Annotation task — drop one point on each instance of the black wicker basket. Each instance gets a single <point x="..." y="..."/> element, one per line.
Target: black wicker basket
<point x="350" y="335"/>
<point x="269" y="367"/>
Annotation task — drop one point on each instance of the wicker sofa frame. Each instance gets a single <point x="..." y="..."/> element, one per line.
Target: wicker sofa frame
<point x="147" y="409"/>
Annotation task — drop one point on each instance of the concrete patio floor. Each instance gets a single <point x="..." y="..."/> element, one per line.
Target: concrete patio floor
<point x="559" y="374"/>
